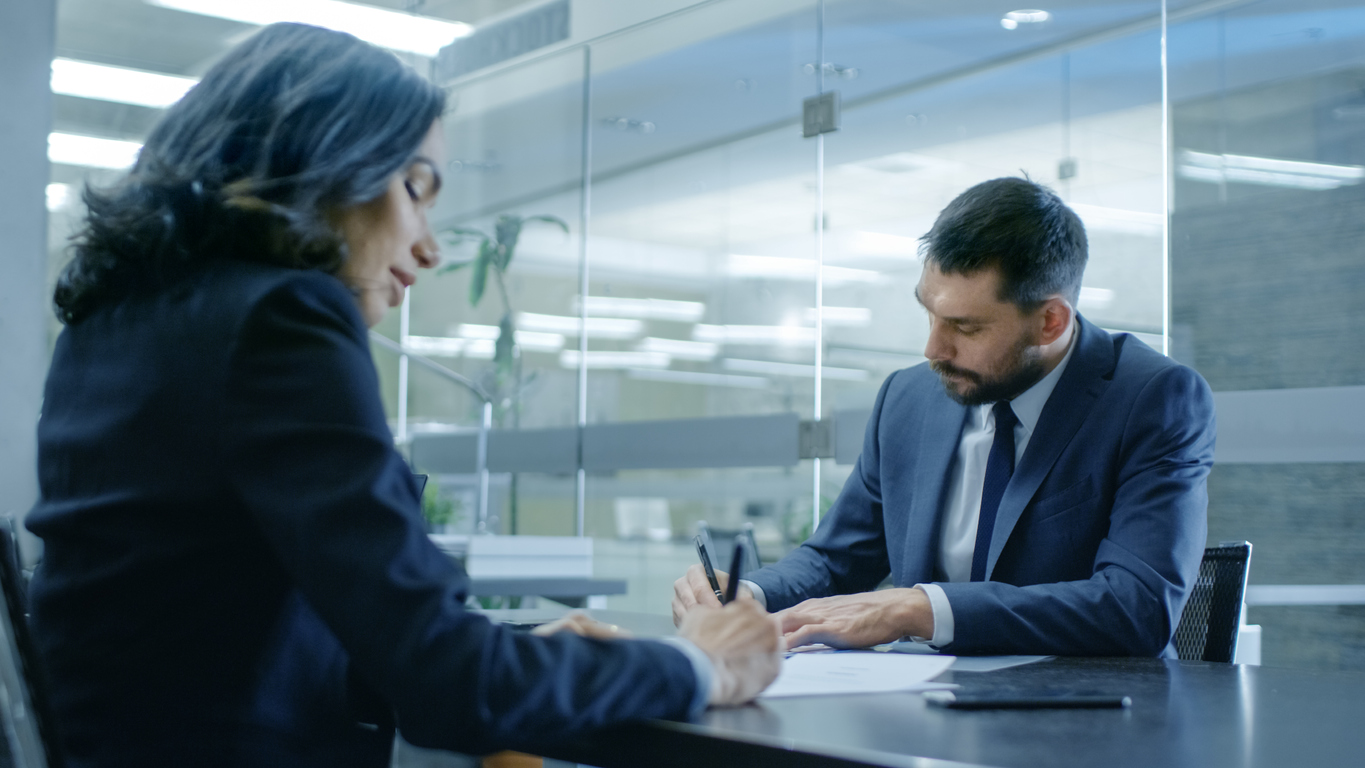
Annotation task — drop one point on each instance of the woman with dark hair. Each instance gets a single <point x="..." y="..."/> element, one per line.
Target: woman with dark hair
<point x="236" y="571"/>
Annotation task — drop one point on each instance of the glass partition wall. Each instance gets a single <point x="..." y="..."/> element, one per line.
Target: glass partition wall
<point x="1268" y="302"/>
<point x="748" y="286"/>
<point x="704" y="296"/>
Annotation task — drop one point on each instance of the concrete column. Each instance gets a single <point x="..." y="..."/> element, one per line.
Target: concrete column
<point x="27" y="40"/>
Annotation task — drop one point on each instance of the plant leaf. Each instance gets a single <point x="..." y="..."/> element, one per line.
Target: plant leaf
<point x="479" y="281"/>
<point x="509" y="232"/>
<point x="503" y="354"/>
<point x="451" y="266"/>
<point x="460" y="235"/>
<point x="465" y="233"/>
<point x="548" y="220"/>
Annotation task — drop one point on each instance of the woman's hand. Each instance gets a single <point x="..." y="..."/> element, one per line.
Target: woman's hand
<point x="581" y="624"/>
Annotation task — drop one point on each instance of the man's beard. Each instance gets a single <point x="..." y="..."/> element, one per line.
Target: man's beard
<point x="1026" y="369"/>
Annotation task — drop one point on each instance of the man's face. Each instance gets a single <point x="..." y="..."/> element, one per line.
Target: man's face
<point x="983" y="349"/>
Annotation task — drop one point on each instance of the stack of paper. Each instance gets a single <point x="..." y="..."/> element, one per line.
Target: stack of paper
<point x="842" y="672"/>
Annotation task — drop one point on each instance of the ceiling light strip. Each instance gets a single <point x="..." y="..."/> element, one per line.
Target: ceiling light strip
<point x="394" y="30"/>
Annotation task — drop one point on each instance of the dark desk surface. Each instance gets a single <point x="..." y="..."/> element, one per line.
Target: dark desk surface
<point x="1183" y="714"/>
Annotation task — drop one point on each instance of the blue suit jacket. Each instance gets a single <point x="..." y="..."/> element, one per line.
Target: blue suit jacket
<point x="1099" y="534"/>
<point x="236" y="571"/>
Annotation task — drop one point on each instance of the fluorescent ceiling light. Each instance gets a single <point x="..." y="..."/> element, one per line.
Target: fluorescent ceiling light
<point x="125" y="86"/>
<point x="597" y="327"/>
<point x="794" y="369"/>
<point x="1099" y="217"/>
<point x="435" y="346"/>
<point x="91" y="151"/>
<point x="698" y="377"/>
<point x="445" y="346"/>
<point x="788" y="335"/>
<point x="533" y="341"/>
<point x="645" y="309"/>
<point x="1266" y="171"/>
<point x="1099" y="298"/>
<point x="853" y="317"/>
<point x="386" y="28"/>
<point x="473" y="331"/>
<point x="607" y="359"/>
<point x="881" y="244"/>
<point x="58" y="196"/>
<point x="1013" y="19"/>
<point x="680" y="349"/>
<point x="784" y="268"/>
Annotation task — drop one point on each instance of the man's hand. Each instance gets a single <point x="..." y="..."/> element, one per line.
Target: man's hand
<point x="582" y="624"/>
<point x="693" y="590"/>
<point x="744" y="644"/>
<point x="858" y="621"/>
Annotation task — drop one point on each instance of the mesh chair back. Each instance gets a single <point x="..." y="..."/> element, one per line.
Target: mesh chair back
<point x="27" y="720"/>
<point x="1209" y="625"/>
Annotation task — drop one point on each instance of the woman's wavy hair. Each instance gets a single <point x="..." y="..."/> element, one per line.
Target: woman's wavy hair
<point x="254" y="163"/>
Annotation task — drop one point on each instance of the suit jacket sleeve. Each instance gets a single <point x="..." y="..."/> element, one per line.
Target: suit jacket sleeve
<point x="1142" y="570"/>
<point x="310" y="454"/>
<point x="848" y="552"/>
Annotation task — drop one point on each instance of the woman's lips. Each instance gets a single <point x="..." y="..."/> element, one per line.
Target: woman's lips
<point x="405" y="280"/>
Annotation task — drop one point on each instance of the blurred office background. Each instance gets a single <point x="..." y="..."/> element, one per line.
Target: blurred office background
<point x="749" y="286"/>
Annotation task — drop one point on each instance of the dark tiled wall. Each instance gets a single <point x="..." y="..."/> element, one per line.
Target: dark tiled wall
<point x="1268" y="292"/>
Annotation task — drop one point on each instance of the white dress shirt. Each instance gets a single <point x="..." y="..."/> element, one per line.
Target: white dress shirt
<point x="962" y="503"/>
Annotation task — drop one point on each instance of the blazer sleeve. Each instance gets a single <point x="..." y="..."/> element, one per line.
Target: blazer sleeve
<point x="848" y="552"/>
<point x="1146" y="563"/>
<point x="309" y="453"/>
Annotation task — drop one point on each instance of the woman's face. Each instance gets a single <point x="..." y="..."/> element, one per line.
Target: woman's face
<point x="389" y="238"/>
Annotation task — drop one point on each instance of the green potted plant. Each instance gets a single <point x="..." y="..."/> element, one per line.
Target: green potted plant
<point x="493" y="257"/>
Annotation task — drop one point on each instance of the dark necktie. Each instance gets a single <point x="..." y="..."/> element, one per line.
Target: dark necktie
<point x="999" y="467"/>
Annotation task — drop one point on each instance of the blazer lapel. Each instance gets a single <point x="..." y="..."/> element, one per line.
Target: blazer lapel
<point x="1085" y="377"/>
<point x="940" y="432"/>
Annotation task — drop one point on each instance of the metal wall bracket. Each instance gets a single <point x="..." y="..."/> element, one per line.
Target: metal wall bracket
<point x="820" y="114"/>
<point x="815" y="439"/>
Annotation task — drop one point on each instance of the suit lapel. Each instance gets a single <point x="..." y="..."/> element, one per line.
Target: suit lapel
<point x="1085" y="377"/>
<point x="940" y="433"/>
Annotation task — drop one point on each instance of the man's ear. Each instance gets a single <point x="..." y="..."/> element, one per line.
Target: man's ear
<point x="1056" y="316"/>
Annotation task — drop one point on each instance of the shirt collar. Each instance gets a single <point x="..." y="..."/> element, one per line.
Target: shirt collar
<point x="1028" y="406"/>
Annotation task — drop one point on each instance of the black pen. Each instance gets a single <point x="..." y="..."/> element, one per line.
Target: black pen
<point x="1057" y="701"/>
<point x="736" y="570"/>
<point x="706" y="565"/>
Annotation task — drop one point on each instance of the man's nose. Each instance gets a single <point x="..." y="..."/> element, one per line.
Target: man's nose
<point x="937" y="347"/>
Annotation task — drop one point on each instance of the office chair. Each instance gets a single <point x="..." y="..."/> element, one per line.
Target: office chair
<point x="23" y="703"/>
<point x="721" y="557"/>
<point x="1209" y="625"/>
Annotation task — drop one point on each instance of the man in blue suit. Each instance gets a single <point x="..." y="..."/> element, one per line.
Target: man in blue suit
<point x="1037" y="486"/>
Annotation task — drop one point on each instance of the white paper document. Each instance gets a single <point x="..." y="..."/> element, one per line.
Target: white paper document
<point x="824" y="674"/>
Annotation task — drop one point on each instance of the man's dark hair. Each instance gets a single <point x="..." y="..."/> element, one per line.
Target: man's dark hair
<point x="254" y="163"/>
<point x="1022" y="229"/>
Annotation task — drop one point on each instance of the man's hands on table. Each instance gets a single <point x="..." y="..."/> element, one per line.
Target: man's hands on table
<point x="860" y="620"/>
<point x="844" y="621"/>
<point x="693" y="590"/>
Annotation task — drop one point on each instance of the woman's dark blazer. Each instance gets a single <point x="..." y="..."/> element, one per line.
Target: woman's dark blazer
<point x="236" y="572"/>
